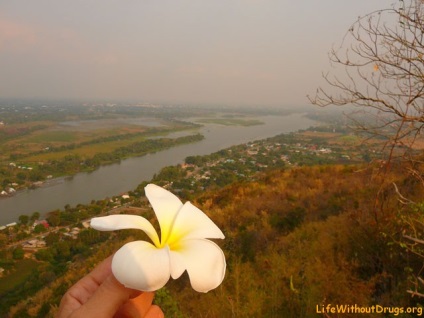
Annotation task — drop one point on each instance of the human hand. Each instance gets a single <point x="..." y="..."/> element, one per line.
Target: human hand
<point x="100" y="295"/>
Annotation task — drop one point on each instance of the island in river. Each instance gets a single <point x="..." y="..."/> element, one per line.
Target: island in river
<point x="128" y="171"/>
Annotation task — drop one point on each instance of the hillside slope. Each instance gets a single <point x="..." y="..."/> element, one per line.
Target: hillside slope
<point x="296" y="240"/>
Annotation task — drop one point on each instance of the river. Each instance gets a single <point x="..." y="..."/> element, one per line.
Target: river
<point x="114" y="179"/>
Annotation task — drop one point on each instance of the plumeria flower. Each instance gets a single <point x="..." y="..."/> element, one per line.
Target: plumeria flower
<point x="183" y="245"/>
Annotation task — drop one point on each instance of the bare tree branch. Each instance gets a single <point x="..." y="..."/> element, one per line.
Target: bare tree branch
<point x="382" y="64"/>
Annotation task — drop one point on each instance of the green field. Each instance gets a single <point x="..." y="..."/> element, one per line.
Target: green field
<point x="350" y="139"/>
<point x="42" y="139"/>
<point x="21" y="272"/>
<point x="85" y="151"/>
<point x="99" y="137"/>
<point x="54" y="136"/>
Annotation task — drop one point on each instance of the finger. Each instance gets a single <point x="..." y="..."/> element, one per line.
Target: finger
<point x="78" y="294"/>
<point x="155" y="312"/>
<point x="107" y="299"/>
<point x="136" y="307"/>
<point x="101" y="271"/>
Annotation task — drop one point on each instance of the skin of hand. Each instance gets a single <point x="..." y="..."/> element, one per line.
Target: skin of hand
<point x="99" y="294"/>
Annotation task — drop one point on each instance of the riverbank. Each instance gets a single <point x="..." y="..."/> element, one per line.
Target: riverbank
<point x="111" y="180"/>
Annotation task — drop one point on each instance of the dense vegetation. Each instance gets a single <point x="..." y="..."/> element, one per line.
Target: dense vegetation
<point x="307" y="224"/>
<point x="315" y="236"/>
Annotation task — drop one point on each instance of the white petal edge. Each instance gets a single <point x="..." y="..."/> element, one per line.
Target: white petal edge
<point x="192" y="223"/>
<point x="125" y="221"/>
<point x="166" y="206"/>
<point x="204" y="262"/>
<point x="140" y="265"/>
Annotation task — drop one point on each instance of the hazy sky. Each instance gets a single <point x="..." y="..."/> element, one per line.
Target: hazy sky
<point x="255" y="52"/>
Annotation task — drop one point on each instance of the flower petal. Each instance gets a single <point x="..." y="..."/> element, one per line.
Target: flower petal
<point x="124" y="221"/>
<point x="204" y="261"/>
<point x="166" y="206"/>
<point x="178" y="265"/>
<point x="192" y="223"/>
<point x="140" y="265"/>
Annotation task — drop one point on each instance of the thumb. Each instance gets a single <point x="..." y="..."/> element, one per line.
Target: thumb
<point x="140" y="306"/>
<point x="107" y="299"/>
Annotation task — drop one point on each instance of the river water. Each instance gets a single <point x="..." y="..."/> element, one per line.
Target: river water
<point x="114" y="179"/>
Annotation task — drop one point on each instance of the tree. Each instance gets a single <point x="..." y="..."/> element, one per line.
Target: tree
<point x="18" y="253"/>
<point x="39" y="228"/>
<point x="3" y="239"/>
<point x="52" y="238"/>
<point x="23" y="219"/>
<point x="45" y="255"/>
<point x="54" y="218"/>
<point x="383" y="75"/>
<point x="35" y="216"/>
<point x="63" y="251"/>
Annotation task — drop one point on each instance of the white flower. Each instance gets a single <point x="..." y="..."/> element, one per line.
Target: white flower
<point x="182" y="246"/>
